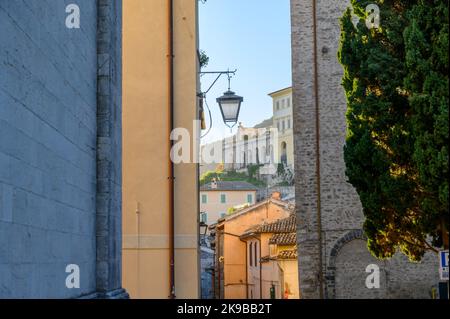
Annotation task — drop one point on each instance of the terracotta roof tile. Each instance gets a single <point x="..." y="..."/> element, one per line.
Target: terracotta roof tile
<point x="283" y="239"/>
<point x="285" y="225"/>
<point x="287" y="254"/>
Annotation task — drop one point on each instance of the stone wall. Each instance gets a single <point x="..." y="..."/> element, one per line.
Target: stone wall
<point x="109" y="150"/>
<point x="341" y="211"/>
<point x="59" y="161"/>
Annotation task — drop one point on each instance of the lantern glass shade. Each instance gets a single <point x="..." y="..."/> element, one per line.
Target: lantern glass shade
<point x="230" y="105"/>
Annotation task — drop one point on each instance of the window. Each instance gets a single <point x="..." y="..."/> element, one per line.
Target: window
<point x="223" y="198"/>
<point x="250" y="198"/>
<point x="283" y="103"/>
<point x="284" y="152"/>
<point x="289" y="123"/>
<point x="278" y="105"/>
<point x="284" y="125"/>
<point x="203" y="217"/>
<point x="278" y="126"/>
<point x="204" y="198"/>
<point x="251" y="254"/>
<point x="222" y="215"/>
<point x="289" y="102"/>
<point x="256" y="254"/>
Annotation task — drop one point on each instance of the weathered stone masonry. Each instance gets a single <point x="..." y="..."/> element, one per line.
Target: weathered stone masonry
<point x="109" y="150"/>
<point x="60" y="149"/>
<point x="344" y="253"/>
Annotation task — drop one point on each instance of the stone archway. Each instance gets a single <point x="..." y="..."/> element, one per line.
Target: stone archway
<point x="350" y="275"/>
<point x="345" y="274"/>
<point x="331" y="267"/>
<point x="284" y="153"/>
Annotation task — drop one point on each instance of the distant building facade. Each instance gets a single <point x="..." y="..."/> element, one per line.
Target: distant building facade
<point x="267" y="144"/>
<point x="283" y="122"/>
<point x="272" y="273"/>
<point x="231" y="274"/>
<point x="218" y="197"/>
<point x="249" y="146"/>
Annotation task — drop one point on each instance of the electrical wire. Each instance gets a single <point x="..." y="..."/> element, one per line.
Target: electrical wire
<point x="210" y="117"/>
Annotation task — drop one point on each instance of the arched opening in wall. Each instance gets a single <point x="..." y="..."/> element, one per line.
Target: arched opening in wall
<point x="262" y="154"/>
<point x="283" y="157"/>
<point x="245" y="152"/>
<point x="351" y="263"/>
<point x="257" y="43"/>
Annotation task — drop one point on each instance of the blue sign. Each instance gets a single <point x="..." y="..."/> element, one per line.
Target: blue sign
<point x="443" y="264"/>
<point x="444" y="258"/>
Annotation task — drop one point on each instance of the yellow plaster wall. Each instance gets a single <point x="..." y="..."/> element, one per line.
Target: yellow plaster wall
<point x="146" y="148"/>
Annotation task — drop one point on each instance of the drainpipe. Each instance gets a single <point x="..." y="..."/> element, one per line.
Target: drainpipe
<point x="219" y="270"/>
<point x="171" y="174"/>
<point x="318" y="177"/>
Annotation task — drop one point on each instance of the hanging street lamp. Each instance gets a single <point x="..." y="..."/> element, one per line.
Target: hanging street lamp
<point x="229" y="102"/>
<point x="230" y="105"/>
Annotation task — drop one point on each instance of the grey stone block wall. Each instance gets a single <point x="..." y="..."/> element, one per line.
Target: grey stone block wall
<point x="49" y="192"/>
<point x="341" y="209"/>
<point x="109" y="149"/>
<point x="47" y="148"/>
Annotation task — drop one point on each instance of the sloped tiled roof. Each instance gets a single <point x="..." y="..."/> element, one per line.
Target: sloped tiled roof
<point x="249" y="232"/>
<point x="283" y="239"/>
<point x="285" y="225"/>
<point x="230" y="186"/>
<point x="238" y="213"/>
<point x="284" y="254"/>
<point x="287" y="254"/>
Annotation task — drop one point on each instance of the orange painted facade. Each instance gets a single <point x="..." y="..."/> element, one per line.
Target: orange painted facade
<point x="232" y="275"/>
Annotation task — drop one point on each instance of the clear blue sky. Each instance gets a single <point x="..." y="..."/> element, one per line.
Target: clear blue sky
<point x="252" y="36"/>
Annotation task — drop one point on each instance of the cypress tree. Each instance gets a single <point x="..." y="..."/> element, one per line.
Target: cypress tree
<point x="396" y="152"/>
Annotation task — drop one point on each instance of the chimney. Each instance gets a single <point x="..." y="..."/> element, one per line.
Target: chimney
<point x="214" y="184"/>
<point x="276" y="195"/>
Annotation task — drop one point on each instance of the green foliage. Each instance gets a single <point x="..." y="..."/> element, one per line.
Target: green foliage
<point x="396" y="153"/>
<point x="204" y="59"/>
<point x="223" y="175"/>
<point x="280" y="169"/>
<point x="232" y="210"/>
<point x="252" y="170"/>
<point x="284" y="183"/>
<point x="208" y="177"/>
